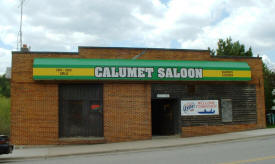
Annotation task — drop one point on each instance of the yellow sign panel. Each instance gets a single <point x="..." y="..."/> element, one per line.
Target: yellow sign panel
<point x="226" y="73"/>
<point x="63" y="71"/>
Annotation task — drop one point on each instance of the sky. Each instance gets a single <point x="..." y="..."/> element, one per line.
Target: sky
<point x="62" y="25"/>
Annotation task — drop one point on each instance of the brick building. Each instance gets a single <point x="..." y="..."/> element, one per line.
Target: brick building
<point x="101" y="94"/>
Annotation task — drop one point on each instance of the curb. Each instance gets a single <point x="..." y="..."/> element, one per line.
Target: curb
<point x="128" y="149"/>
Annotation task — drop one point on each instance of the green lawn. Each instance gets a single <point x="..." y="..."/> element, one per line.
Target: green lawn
<point x="4" y="115"/>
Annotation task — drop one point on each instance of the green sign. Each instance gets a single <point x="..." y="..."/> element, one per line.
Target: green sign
<point x="123" y="69"/>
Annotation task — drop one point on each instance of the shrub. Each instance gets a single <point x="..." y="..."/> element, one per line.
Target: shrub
<point x="5" y="115"/>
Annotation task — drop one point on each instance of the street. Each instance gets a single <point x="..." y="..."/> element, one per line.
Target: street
<point x="257" y="151"/>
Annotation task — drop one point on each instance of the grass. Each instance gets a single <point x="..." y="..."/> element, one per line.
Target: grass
<point x="5" y="115"/>
<point x="270" y="126"/>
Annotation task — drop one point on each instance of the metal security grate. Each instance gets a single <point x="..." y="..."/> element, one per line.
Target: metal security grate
<point x="80" y="111"/>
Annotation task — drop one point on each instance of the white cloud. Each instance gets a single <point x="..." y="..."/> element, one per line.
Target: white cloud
<point x="268" y="62"/>
<point x="5" y="60"/>
<point x="64" y="25"/>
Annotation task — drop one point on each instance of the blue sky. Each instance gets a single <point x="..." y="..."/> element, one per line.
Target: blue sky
<point x="190" y="24"/>
<point x="164" y="1"/>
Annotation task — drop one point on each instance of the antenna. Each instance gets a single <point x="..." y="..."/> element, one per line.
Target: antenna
<point x="20" y="29"/>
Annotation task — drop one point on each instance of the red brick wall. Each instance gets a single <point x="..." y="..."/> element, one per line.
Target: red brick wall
<point x="34" y="113"/>
<point x="127" y="112"/>
<point x="192" y="131"/>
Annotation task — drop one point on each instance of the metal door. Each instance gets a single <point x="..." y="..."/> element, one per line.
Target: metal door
<point x="177" y="121"/>
<point x="165" y="116"/>
<point x="80" y="111"/>
<point x="226" y="105"/>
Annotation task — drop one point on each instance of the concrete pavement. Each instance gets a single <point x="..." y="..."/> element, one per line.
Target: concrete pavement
<point x="155" y="143"/>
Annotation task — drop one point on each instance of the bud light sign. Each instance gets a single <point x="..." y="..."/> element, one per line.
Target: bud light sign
<point x="199" y="107"/>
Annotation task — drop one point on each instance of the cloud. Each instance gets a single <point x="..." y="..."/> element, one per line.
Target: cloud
<point x="250" y="22"/>
<point x="64" y="25"/>
<point x="268" y="62"/>
<point x="5" y="60"/>
<point x="155" y="23"/>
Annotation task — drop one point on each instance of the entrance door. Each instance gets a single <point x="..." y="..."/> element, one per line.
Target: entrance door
<point x="165" y="116"/>
<point x="80" y="111"/>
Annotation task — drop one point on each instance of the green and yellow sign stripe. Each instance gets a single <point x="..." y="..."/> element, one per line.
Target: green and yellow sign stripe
<point x="108" y="69"/>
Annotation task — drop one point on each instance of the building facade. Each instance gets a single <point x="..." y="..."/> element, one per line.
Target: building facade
<point x="100" y="94"/>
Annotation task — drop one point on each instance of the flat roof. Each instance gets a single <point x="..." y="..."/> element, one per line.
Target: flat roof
<point x="141" y="48"/>
<point x="236" y="57"/>
<point x="45" y="52"/>
<point x="98" y="47"/>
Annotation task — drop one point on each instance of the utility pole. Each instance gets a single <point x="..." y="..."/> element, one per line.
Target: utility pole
<point x="20" y="29"/>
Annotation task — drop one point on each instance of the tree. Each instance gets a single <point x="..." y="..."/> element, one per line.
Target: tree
<point x="4" y="86"/>
<point x="229" y="48"/>
<point x="269" y="79"/>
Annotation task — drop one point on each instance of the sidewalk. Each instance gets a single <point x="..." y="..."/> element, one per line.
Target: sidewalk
<point x="161" y="142"/>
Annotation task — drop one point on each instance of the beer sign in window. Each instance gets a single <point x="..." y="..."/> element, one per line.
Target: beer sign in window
<point x="199" y="107"/>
